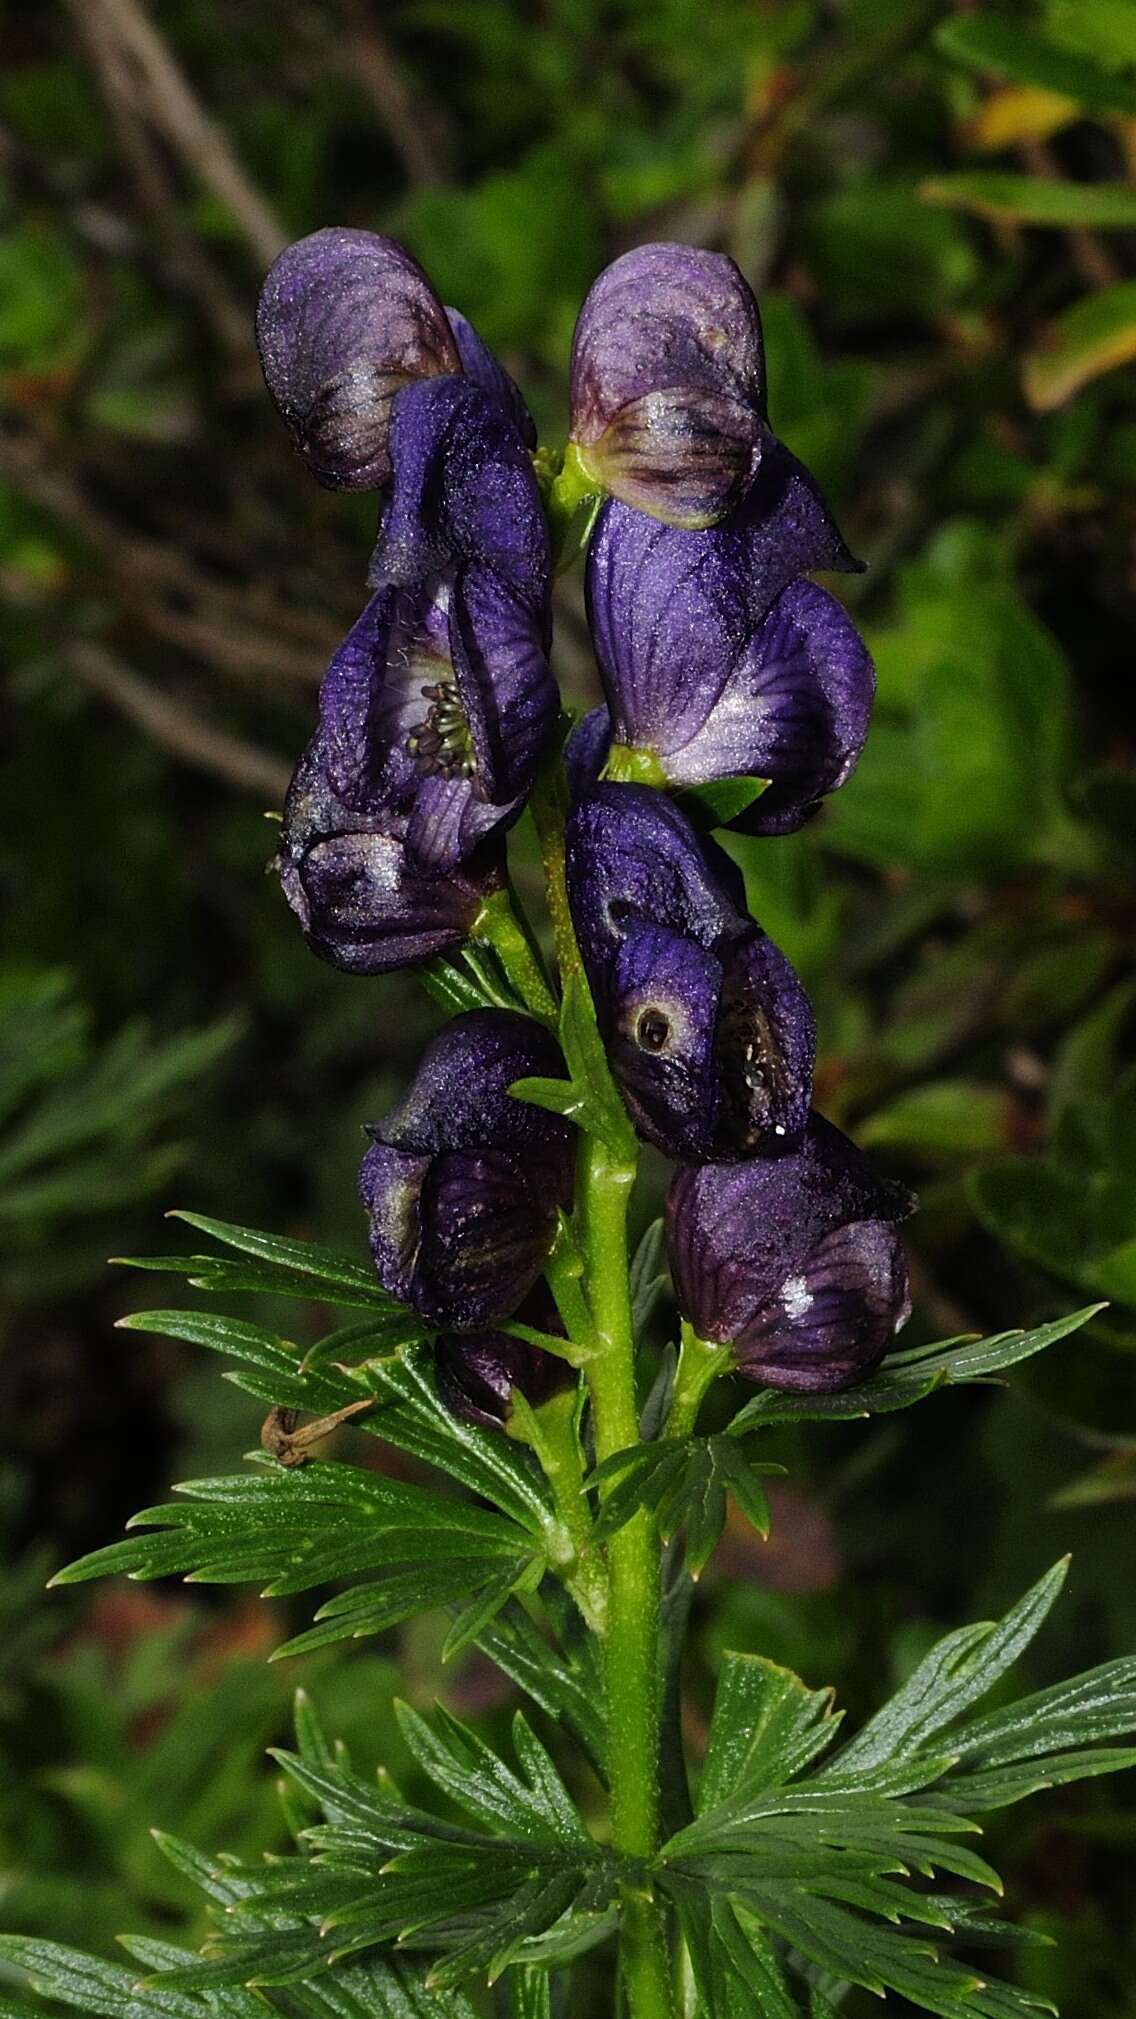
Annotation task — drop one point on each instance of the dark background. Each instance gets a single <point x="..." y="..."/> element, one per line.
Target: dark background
<point x="173" y="584"/>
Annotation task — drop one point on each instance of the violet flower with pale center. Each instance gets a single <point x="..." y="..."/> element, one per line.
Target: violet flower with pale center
<point x="668" y="383"/>
<point x="463" y="1184"/>
<point x="709" y="1034"/>
<point x="363" y="901"/>
<point x="718" y="660"/>
<point x="793" y="1261"/>
<point x="440" y="700"/>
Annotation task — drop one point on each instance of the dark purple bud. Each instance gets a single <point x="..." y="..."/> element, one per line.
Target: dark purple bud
<point x="464" y="494"/>
<point x="668" y="383"/>
<point x="793" y="1260"/>
<point x="718" y="661"/>
<point x="361" y="897"/>
<point x="478" y="1371"/>
<point x="463" y="1184"/>
<point x="345" y="320"/>
<point x="709" y="1033"/>
<point x="480" y="365"/>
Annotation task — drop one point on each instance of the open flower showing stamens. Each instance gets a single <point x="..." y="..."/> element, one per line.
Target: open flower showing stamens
<point x="793" y="1260"/>
<point x="668" y="383"/>
<point x="463" y="1184"/>
<point x="709" y="1033"/>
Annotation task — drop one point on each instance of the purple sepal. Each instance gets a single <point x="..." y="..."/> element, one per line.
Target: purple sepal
<point x="346" y="319"/>
<point x="792" y="1260"/>
<point x="710" y="1035"/>
<point x="479" y="364"/>
<point x="478" y="1371"/>
<point x="586" y="751"/>
<point x="363" y="901"/>
<point x="668" y="383"/>
<point x="463" y="1184"/>
<point x="464" y="493"/>
<point x="719" y="660"/>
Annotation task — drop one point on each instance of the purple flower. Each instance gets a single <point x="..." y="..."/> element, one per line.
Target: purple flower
<point x="358" y="890"/>
<point x="463" y="1184"/>
<point x="478" y="1371"/>
<point x="793" y="1260"/>
<point x="718" y="661"/>
<point x="345" y="319"/>
<point x="668" y="383"/>
<point x="440" y="700"/>
<point x="709" y="1033"/>
<point x="480" y="365"/>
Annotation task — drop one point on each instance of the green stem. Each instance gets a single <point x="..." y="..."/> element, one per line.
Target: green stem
<point x="700" y="1362"/>
<point x="497" y="925"/>
<point x="631" y="1638"/>
<point x="549" y="806"/>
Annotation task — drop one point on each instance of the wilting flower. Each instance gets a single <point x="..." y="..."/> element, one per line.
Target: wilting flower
<point x="439" y="701"/>
<point x="478" y="1371"/>
<point x="793" y="1260"/>
<point x="362" y="898"/>
<point x="709" y="1033"/>
<point x="718" y="661"/>
<point x="462" y="1183"/>
<point x="345" y="320"/>
<point x="668" y="383"/>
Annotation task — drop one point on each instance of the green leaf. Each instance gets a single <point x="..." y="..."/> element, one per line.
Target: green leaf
<point x="959" y="1669"/>
<point x="649" y="1276"/>
<point x="566" y="1685"/>
<point x="715" y="805"/>
<point x="1015" y="51"/>
<point x="296" y="1268"/>
<point x="907" y="1377"/>
<point x="1024" y="199"/>
<point x="956" y="1118"/>
<point x="681" y="1480"/>
<point x="537" y="1809"/>
<point x="1094" y="336"/>
<point x="766" y="1728"/>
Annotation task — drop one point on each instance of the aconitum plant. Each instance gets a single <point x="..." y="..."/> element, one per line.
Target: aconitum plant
<point x="501" y="1333"/>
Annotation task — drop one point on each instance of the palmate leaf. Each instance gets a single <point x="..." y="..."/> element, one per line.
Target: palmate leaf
<point x="563" y="1678"/>
<point x="682" y="1480"/>
<point x="785" y="1861"/>
<point x="905" y="1378"/>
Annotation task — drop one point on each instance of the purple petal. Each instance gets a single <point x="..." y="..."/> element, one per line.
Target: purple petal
<point x="464" y="492"/>
<point x="667" y="382"/>
<point x="480" y="365"/>
<point x="510" y="696"/>
<point x="390" y="1186"/>
<point x="630" y="853"/>
<point x="830" y="1325"/>
<point x="460" y="1097"/>
<point x="764" y="1048"/>
<point x="659" y="1017"/>
<point x="486" y="1236"/>
<point x="586" y="751"/>
<point x="345" y="320"/>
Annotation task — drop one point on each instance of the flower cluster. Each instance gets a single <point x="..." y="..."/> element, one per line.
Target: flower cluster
<point x="719" y="659"/>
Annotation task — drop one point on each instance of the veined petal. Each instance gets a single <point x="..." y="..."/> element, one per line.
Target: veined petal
<point x="832" y="1321"/>
<point x="486" y="1236"/>
<point x="479" y="364"/>
<point x="390" y="1185"/>
<point x="511" y="699"/>
<point x="460" y="1097"/>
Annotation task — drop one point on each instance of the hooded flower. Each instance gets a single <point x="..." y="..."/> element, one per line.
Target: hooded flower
<point x="793" y="1260"/>
<point x="462" y="1184"/>
<point x="345" y="320"/>
<point x="438" y="703"/>
<point x="668" y="383"/>
<point x="709" y="1033"/>
<point x="718" y="660"/>
<point x="478" y="1371"/>
<point x="362" y="899"/>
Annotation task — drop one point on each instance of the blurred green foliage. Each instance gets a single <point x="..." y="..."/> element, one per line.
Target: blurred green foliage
<point x="953" y="370"/>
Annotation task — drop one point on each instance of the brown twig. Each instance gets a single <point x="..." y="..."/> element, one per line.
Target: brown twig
<point x="1091" y="257"/>
<point x="163" y="93"/>
<point x="415" y="131"/>
<point x="187" y="735"/>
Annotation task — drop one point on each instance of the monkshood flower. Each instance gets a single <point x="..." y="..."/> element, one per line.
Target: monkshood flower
<point x="709" y="1033"/>
<point x="668" y="383"/>
<point x="362" y="899"/>
<point x="478" y="1371"/>
<point x="718" y="661"/>
<point x="793" y="1261"/>
<point x="462" y="1183"/>
<point x="440" y="700"/>
<point x="345" y="319"/>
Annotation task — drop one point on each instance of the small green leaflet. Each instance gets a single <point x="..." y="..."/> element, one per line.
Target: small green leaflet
<point x="1027" y="199"/>
<point x="907" y="1377"/>
<point x="715" y="805"/>
<point x="1012" y="49"/>
<point x="767" y="1728"/>
<point x="682" y="1480"/>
